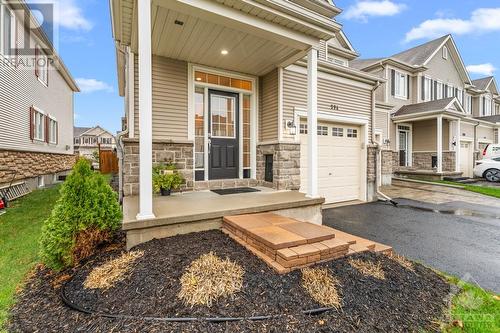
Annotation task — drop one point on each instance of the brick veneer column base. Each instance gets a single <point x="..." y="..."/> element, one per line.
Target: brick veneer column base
<point x="286" y="165"/>
<point x="178" y="153"/>
<point x="33" y="164"/>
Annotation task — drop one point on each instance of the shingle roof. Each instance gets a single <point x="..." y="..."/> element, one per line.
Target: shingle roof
<point x="491" y="119"/>
<point x="417" y="55"/>
<point x="363" y="63"/>
<point x="77" y="131"/>
<point x="482" y="83"/>
<point x="439" y="104"/>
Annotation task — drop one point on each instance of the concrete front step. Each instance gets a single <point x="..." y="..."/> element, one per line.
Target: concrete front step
<point x="286" y="244"/>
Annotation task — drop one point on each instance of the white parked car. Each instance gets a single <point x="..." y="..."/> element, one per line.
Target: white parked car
<point x="491" y="150"/>
<point x="488" y="168"/>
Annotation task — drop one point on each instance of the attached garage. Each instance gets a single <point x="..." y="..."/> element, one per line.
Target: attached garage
<point x="341" y="161"/>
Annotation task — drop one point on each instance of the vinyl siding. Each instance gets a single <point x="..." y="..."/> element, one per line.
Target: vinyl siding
<point x="381" y="123"/>
<point x="467" y="129"/>
<point x="424" y="135"/>
<point x="19" y="90"/>
<point x="352" y="100"/>
<point x="268" y="110"/>
<point x="485" y="133"/>
<point x="170" y="99"/>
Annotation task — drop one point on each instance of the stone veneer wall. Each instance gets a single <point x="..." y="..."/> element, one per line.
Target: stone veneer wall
<point x="33" y="164"/>
<point x="423" y="160"/>
<point x="286" y="165"/>
<point x="371" y="166"/>
<point x="178" y="153"/>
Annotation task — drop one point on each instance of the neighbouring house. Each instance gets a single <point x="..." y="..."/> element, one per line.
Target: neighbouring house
<point x="36" y="102"/>
<point x="240" y="94"/>
<point x="432" y="120"/>
<point x="88" y="140"/>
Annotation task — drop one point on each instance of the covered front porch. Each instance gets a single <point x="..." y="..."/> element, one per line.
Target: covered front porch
<point x="428" y="137"/>
<point x="202" y="99"/>
<point x="204" y="210"/>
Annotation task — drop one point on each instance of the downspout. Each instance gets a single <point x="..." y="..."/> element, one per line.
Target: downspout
<point x="120" y="148"/>
<point x="476" y="146"/>
<point x="378" y="159"/>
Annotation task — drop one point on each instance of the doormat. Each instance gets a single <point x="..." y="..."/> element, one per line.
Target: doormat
<point x="235" y="190"/>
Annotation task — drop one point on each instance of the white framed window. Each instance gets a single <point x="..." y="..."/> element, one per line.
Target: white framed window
<point x="450" y="91"/>
<point x="42" y="66"/>
<point x="38" y="125"/>
<point x="7" y="31"/>
<point x="460" y="96"/>
<point x="52" y="130"/>
<point x="323" y="130"/>
<point x="468" y="104"/>
<point x="303" y="129"/>
<point x="400" y="85"/>
<point x="486" y="106"/>
<point x="445" y="52"/>
<point x="497" y="109"/>
<point x="337" y="131"/>
<point x="41" y="181"/>
<point x="427" y="89"/>
<point x="352" y="133"/>
<point x="439" y="90"/>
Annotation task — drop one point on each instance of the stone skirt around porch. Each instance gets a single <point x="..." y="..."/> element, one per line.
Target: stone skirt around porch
<point x="425" y="174"/>
<point x="204" y="210"/>
<point x="286" y="244"/>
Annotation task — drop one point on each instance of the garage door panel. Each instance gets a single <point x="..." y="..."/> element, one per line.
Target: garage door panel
<point x="339" y="165"/>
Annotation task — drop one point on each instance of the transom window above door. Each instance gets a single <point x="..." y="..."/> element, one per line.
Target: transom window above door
<point x="223" y="116"/>
<point x="225" y="81"/>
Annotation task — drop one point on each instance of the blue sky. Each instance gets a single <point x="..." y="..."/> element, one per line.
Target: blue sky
<point x="87" y="48"/>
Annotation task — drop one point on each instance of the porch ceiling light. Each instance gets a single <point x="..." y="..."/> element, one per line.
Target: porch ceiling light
<point x="224" y="52"/>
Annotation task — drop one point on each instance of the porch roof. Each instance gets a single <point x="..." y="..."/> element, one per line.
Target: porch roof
<point x="447" y="106"/>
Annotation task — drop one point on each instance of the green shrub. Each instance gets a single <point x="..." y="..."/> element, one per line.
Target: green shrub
<point x="87" y="204"/>
<point x="166" y="177"/>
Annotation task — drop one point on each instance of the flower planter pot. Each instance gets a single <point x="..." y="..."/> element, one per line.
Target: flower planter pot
<point x="165" y="192"/>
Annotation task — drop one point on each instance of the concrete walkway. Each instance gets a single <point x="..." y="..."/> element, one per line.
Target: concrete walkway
<point x="436" y="194"/>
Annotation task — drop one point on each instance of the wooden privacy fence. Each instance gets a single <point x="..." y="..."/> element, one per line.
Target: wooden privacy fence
<point x="108" y="161"/>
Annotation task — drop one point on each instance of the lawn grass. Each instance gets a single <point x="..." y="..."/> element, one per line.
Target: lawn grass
<point x="473" y="310"/>
<point x="20" y="229"/>
<point x="489" y="191"/>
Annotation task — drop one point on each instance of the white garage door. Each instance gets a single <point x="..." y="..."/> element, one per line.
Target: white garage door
<point x="339" y="162"/>
<point x="466" y="158"/>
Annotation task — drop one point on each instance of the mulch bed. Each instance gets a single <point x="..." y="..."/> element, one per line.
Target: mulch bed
<point x="405" y="301"/>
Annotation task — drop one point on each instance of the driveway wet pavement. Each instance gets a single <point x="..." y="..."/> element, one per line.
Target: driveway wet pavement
<point x="459" y="238"/>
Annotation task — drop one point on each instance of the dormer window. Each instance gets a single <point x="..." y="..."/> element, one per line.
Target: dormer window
<point x="445" y="52"/>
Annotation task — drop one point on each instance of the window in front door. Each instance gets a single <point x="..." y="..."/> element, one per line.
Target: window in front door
<point x="403" y="148"/>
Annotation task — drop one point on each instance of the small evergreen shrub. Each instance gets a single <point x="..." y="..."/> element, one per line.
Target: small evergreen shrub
<point x="88" y="205"/>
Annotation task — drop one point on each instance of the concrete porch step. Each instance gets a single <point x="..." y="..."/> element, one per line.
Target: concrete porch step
<point x="286" y="244"/>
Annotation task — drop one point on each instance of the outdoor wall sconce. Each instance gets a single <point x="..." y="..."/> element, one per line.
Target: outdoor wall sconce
<point x="292" y="128"/>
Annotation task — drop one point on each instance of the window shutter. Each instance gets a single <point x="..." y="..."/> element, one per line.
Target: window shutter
<point x="408" y="86"/>
<point x="37" y="70"/>
<point x="445" y="90"/>
<point x="456" y="92"/>
<point x="434" y="91"/>
<point x="32" y="123"/>
<point x="57" y="133"/>
<point x="484" y="106"/>
<point x="423" y="88"/>
<point x="47" y="129"/>
<point x="393" y="82"/>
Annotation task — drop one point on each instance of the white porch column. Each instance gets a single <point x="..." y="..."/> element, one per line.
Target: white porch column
<point x="312" y="123"/>
<point x="145" y="112"/>
<point x="439" y="140"/>
<point x="457" y="145"/>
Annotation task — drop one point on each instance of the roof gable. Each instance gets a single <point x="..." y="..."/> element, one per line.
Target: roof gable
<point x="419" y="55"/>
<point x="486" y="83"/>
<point x="446" y="104"/>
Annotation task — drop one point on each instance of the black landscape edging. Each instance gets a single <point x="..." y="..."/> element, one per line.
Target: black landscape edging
<point x="76" y="307"/>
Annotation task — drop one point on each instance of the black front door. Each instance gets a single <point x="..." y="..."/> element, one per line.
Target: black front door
<point x="223" y="134"/>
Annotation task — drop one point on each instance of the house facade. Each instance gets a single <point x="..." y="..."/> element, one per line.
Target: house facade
<point x="88" y="140"/>
<point x="229" y="92"/>
<point x="36" y="102"/>
<point x="432" y="119"/>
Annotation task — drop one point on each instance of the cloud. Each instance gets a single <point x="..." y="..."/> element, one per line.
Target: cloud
<point x="71" y="16"/>
<point x="364" y="9"/>
<point x="482" y="69"/>
<point x="482" y="20"/>
<point x="88" y="86"/>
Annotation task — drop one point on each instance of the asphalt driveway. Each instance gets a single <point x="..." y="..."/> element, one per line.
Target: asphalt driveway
<point x="466" y="245"/>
